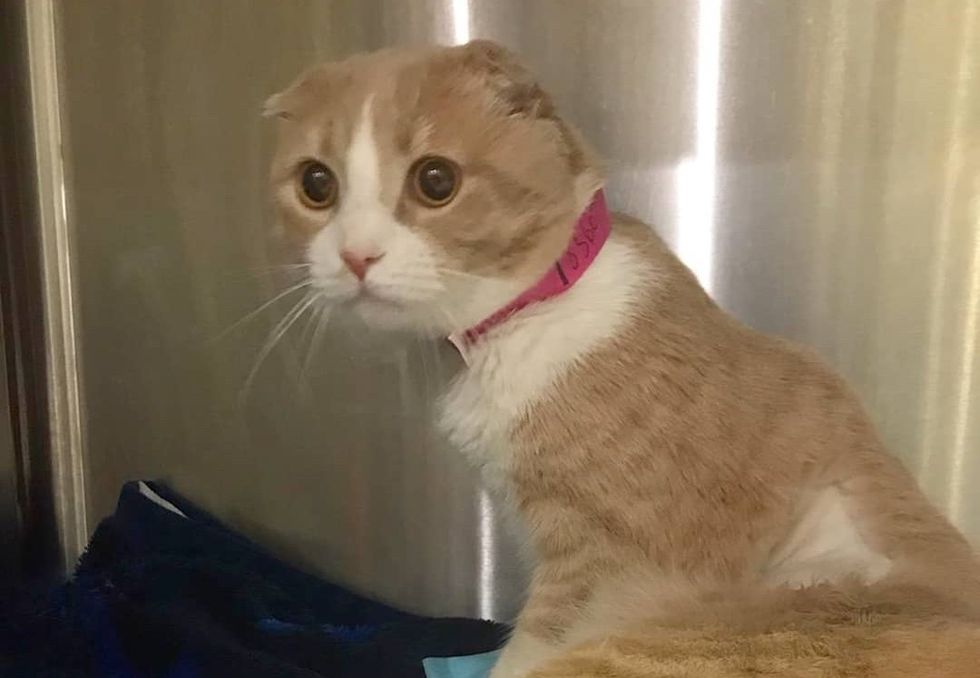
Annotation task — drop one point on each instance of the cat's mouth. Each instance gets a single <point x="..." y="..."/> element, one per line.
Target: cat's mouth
<point x="381" y="311"/>
<point x="369" y="297"/>
<point x="365" y="295"/>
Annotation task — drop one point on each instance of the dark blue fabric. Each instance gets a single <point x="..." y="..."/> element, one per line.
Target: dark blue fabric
<point x="160" y="595"/>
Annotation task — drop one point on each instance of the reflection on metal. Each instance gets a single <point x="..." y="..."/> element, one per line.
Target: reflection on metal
<point x="487" y="539"/>
<point x="461" y="21"/>
<point x="961" y="141"/>
<point x="67" y="453"/>
<point x="967" y="77"/>
<point x="817" y="164"/>
<point x="967" y="381"/>
<point x="696" y="176"/>
<point x="9" y="518"/>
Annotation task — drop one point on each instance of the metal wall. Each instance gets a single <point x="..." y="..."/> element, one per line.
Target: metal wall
<point x="9" y="517"/>
<point x="816" y="163"/>
<point x="28" y="543"/>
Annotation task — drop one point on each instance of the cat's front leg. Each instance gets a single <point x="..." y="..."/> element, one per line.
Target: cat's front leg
<point x="553" y="606"/>
<point x="523" y="653"/>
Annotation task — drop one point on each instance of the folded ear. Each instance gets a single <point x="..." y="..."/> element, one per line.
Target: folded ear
<point x="313" y="84"/>
<point x="505" y="76"/>
<point x="275" y="107"/>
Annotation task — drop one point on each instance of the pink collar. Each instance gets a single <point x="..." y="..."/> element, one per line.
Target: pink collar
<point x="589" y="236"/>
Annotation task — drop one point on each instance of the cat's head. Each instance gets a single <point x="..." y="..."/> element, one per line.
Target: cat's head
<point x="427" y="187"/>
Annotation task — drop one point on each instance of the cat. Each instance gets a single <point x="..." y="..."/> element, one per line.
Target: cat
<point x="659" y="453"/>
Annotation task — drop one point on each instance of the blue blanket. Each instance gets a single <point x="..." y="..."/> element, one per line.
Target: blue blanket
<point x="166" y="590"/>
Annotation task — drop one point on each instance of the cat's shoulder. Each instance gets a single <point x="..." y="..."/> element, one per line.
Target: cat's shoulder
<point x="644" y="238"/>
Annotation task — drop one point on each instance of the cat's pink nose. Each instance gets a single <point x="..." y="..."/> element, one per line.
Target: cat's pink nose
<point x="359" y="263"/>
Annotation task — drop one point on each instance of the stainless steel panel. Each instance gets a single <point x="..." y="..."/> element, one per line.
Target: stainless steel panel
<point x="29" y="539"/>
<point x="59" y="301"/>
<point x="10" y="541"/>
<point x="817" y="164"/>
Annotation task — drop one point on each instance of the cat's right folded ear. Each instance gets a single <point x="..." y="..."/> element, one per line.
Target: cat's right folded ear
<point x="510" y="81"/>
<point x="309" y="85"/>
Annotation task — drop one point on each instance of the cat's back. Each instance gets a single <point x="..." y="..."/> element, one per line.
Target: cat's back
<point x="678" y="332"/>
<point x="685" y="402"/>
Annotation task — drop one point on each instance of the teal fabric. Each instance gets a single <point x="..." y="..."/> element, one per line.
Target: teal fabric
<point x="472" y="666"/>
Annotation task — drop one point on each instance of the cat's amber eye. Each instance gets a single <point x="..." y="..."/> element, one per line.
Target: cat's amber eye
<point x="317" y="185"/>
<point x="436" y="181"/>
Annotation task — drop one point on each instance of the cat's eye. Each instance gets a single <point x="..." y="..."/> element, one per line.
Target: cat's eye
<point x="317" y="185"/>
<point x="436" y="180"/>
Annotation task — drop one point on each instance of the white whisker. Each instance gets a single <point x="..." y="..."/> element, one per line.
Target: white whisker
<point x="453" y="322"/>
<point x="277" y="333"/>
<point x="321" y="322"/>
<point x="279" y="267"/>
<point x="250" y="315"/>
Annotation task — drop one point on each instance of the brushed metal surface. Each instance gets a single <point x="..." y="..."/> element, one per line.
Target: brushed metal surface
<point x="11" y="22"/>
<point x="62" y="357"/>
<point x="32" y="544"/>
<point x="10" y="537"/>
<point x="817" y="164"/>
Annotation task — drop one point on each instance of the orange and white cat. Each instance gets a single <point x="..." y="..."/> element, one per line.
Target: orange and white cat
<point x="660" y="454"/>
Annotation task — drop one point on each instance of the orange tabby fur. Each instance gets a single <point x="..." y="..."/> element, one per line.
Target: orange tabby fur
<point x="743" y="426"/>
<point x="665" y="459"/>
<point x="892" y="632"/>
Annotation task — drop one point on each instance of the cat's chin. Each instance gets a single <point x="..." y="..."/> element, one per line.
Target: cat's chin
<point x="390" y="316"/>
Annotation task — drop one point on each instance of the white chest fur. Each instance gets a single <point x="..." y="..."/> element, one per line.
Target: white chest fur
<point x="825" y="545"/>
<point x="514" y="365"/>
